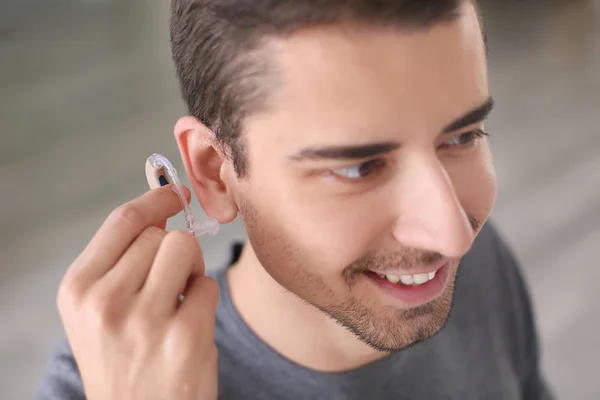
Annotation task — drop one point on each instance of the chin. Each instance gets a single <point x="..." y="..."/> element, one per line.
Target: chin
<point x="414" y="327"/>
<point x="389" y="329"/>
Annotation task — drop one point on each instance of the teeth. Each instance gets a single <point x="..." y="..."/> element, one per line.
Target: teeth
<point x="420" y="278"/>
<point x="416" y="279"/>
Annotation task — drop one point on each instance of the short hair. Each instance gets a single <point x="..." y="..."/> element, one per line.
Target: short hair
<point x="223" y="68"/>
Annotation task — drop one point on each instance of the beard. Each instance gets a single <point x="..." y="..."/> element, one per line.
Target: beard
<point x="387" y="328"/>
<point x="384" y="328"/>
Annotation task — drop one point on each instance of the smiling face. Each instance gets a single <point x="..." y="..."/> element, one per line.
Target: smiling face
<point x="371" y="157"/>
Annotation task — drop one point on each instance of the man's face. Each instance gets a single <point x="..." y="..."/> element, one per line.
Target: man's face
<point x="361" y="168"/>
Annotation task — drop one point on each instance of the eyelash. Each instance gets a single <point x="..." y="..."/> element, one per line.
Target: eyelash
<point x="476" y="134"/>
<point x="380" y="163"/>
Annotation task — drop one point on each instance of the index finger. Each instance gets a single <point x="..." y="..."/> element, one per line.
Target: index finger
<point x="122" y="227"/>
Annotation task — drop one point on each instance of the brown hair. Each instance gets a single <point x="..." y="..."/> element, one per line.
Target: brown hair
<point x="219" y="53"/>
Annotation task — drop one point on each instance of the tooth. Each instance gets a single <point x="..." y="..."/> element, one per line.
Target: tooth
<point x="393" y="278"/>
<point x="420" y="278"/>
<point x="431" y="275"/>
<point x="407" y="279"/>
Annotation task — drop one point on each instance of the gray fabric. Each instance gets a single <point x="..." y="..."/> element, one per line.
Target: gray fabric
<point x="488" y="349"/>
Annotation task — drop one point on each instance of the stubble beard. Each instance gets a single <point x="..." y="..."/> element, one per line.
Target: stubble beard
<point x="383" y="328"/>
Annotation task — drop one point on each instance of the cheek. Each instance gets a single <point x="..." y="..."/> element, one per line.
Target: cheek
<point x="329" y="232"/>
<point x="475" y="183"/>
<point x="342" y="233"/>
<point x="283" y="241"/>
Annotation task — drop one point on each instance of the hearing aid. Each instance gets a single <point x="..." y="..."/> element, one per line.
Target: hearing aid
<point x="160" y="172"/>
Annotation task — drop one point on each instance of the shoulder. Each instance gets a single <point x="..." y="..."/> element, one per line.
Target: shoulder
<point x="61" y="379"/>
<point x="492" y="270"/>
<point x="491" y="274"/>
<point x="491" y="287"/>
<point x="491" y="265"/>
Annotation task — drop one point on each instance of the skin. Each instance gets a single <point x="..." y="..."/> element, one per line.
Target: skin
<point x="313" y="231"/>
<point x="119" y="302"/>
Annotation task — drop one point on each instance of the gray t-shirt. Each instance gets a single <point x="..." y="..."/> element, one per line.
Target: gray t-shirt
<point x="487" y="350"/>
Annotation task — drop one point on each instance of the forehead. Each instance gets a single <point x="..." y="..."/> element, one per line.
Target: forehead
<point x="345" y="83"/>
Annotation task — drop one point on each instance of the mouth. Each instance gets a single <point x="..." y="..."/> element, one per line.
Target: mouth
<point x="412" y="289"/>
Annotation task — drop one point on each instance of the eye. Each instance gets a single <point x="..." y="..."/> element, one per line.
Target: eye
<point x="359" y="171"/>
<point x="466" y="139"/>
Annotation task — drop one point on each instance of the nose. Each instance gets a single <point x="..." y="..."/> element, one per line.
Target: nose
<point x="430" y="215"/>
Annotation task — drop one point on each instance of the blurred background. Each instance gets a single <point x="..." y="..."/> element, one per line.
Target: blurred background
<point x="87" y="92"/>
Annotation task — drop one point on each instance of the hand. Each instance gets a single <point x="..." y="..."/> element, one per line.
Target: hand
<point x="131" y="336"/>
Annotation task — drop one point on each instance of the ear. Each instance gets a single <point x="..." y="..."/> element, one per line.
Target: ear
<point x="207" y="168"/>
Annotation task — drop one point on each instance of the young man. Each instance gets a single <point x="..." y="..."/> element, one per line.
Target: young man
<point x="348" y="134"/>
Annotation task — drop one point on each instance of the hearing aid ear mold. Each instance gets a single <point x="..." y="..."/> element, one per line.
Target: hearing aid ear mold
<point x="160" y="172"/>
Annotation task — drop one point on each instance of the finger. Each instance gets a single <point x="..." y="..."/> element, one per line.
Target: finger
<point x="121" y="228"/>
<point x="178" y="258"/>
<point x="199" y="307"/>
<point x="162" y="225"/>
<point x="130" y="272"/>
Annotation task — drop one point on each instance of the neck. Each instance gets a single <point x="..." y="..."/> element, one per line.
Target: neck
<point x="295" y="329"/>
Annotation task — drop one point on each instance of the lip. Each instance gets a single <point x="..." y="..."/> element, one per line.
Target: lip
<point x="414" y="272"/>
<point x="413" y="296"/>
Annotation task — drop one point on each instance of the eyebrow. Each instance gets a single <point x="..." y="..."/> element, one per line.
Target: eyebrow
<point x="345" y="152"/>
<point x="476" y="115"/>
<point x="358" y="152"/>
